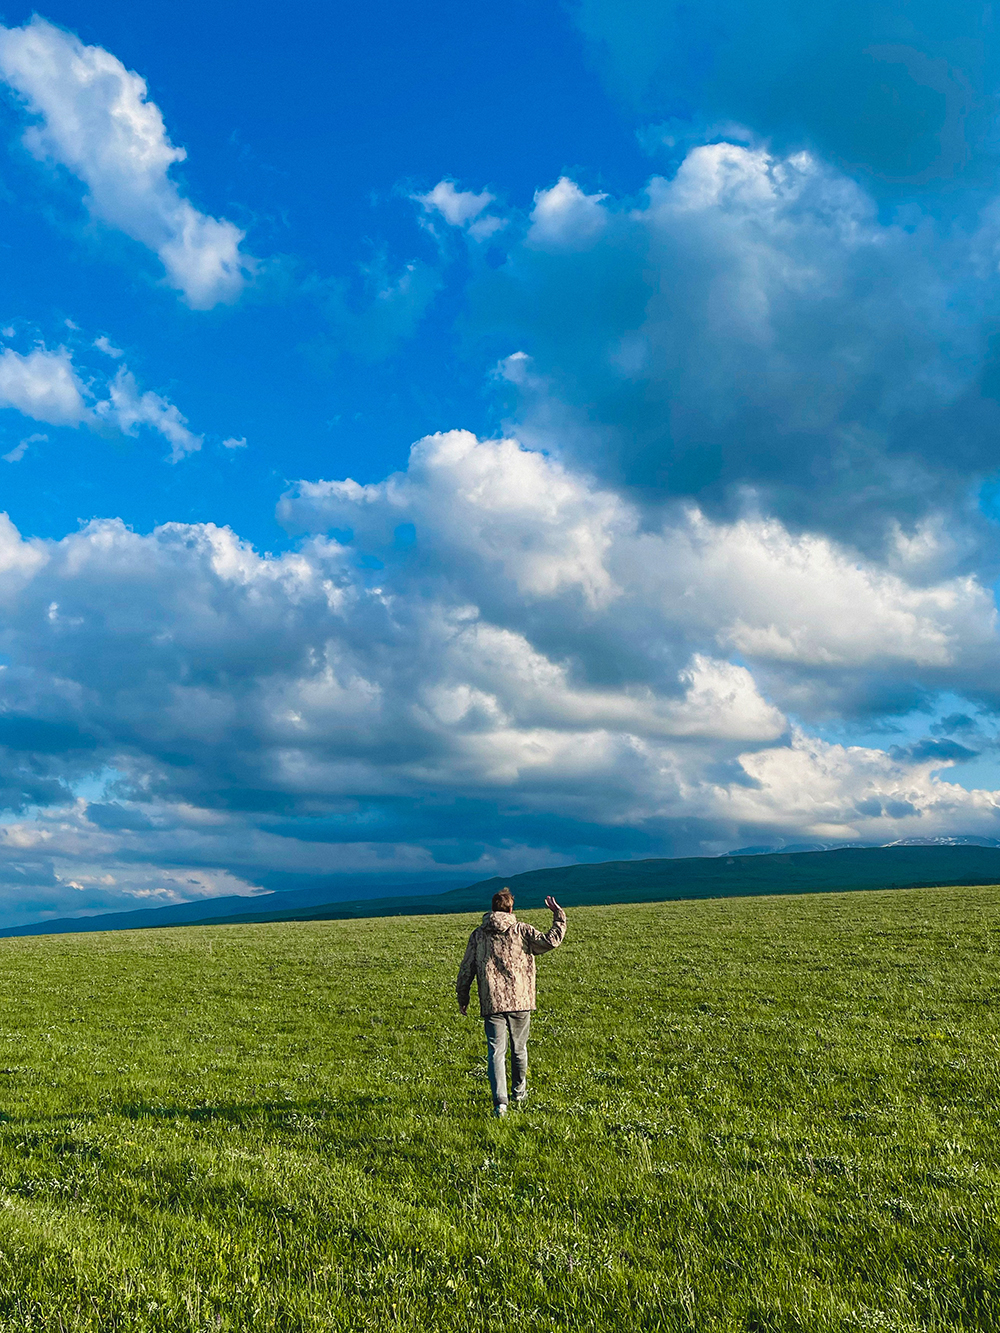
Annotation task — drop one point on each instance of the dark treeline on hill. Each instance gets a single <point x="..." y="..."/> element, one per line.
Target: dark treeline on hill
<point x="842" y="869"/>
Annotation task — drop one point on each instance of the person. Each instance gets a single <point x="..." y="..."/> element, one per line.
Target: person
<point x="501" y="957"/>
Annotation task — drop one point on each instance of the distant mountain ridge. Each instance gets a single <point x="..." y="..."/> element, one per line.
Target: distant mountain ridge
<point x="941" y="840"/>
<point x="923" y="864"/>
<point x="349" y="888"/>
<point x="660" y="880"/>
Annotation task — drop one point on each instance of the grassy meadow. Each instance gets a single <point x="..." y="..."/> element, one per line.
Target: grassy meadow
<point x="751" y="1114"/>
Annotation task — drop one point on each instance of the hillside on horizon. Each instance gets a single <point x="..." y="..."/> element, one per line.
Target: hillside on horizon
<point x="604" y="883"/>
<point x="662" y="880"/>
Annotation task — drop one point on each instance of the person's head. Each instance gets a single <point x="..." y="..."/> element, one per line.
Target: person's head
<point x="503" y="901"/>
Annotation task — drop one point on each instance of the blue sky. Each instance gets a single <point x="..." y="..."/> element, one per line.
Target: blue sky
<point x="309" y="130"/>
<point x="446" y="441"/>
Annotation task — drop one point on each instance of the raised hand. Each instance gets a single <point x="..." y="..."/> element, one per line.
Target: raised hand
<point x="552" y="905"/>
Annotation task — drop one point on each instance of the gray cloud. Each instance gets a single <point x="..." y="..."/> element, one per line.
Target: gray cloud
<point x="905" y="93"/>
<point x="752" y="331"/>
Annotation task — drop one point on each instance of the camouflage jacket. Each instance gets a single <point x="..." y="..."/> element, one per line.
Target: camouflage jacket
<point x="501" y="957"/>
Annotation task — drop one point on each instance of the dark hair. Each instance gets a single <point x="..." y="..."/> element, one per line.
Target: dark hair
<point x="503" y="901"/>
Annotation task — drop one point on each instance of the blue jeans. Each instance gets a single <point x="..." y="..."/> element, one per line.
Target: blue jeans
<point x="498" y="1027"/>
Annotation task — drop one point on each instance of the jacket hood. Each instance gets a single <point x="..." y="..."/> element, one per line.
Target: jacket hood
<point x="498" y="923"/>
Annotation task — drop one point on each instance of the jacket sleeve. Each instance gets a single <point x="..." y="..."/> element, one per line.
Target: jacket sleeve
<point x="466" y="972"/>
<point x="553" y="937"/>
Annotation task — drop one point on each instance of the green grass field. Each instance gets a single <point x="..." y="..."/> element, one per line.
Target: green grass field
<point x="755" y="1114"/>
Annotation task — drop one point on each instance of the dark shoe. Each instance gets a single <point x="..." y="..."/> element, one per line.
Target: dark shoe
<point x="520" y="1098"/>
<point x="500" y="1111"/>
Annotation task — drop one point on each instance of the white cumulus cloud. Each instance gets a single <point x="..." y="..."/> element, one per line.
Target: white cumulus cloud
<point x="457" y="207"/>
<point x="503" y="663"/>
<point x="45" y="385"/>
<point x="128" y="409"/>
<point x="565" y="216"/>
<point x="94" y="118"/>
<point x="42" y="385"/>
<point x="462" y="208"/>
